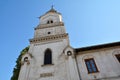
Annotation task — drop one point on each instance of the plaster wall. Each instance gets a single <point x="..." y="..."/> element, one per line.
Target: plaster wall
<point x="53" y="31"/>
<point x="51" y="16"/>
<point x="57" y="69"/>
<point x="106" y="62"/>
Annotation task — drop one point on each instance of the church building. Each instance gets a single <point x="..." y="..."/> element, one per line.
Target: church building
<point x="50" y="56"/>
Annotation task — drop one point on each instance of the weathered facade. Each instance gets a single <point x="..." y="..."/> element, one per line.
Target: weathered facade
<point x="50" y="56"/>
<point x="105" y="60"/>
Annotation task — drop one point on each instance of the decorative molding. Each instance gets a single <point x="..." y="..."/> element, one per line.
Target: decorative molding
<point x="69" y="53"/>
<point x="48" y="38"/>
<point x="23" y="62"/>
<point x="108" y="78"/>
<point x="28" y="62"/>
<point x="98" y="47"/>
<point x="31" y="55"/>
<point x="52" y="41"/>
<point x="47" y="65"/>
<point x="55" y="24"/>
<point x="46" y="74"/>
<point x="96" y="50"/>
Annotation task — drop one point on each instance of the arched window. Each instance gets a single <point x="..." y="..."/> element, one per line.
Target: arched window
<point x="48" y="22"/>
<point x="48" y="57"/>
<point x="51" y="21"/>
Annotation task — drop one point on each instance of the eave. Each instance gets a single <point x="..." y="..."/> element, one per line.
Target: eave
<point x="94" y="47"/>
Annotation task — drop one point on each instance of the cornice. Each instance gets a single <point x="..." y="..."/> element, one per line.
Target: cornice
<point x="98" y="50"/>
<point x="96" y="47"/>
<point x="48" y="38"/>
<point x="41" y="26"/>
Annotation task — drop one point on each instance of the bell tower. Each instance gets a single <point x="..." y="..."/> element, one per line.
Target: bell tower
<point x="50" y="56"/>
<point x="50" y="24"/>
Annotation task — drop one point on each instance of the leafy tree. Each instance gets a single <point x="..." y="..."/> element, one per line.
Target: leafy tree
<point x="16" y="70"/>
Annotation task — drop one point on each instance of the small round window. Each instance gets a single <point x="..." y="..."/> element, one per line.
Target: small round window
<point x="69" y="53"/>
<point x="26" y="59"/>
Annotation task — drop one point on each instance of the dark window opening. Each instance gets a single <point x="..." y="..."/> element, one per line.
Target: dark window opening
<point x="49" y="32"/>
<point x="26" y="59"/>
<point x="91" y="66"/>
<point x="69" y="53"/>
<point x="118" y="57"/>
<point x="51" y="21"/>
<point x="48" y="22"/>
<point x="48" y="57"/>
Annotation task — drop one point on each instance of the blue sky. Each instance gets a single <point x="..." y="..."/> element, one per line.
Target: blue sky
<point x="88" y="22"/>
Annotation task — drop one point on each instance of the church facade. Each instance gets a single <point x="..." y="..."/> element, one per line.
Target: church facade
<point x="50" y="56"/>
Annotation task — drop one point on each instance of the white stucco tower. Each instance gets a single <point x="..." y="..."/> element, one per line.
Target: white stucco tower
<point x="50" y="56"/>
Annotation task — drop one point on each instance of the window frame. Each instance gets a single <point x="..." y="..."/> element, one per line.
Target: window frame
<point x="25" y="59"/>
<point x="47" y="57"/>
<point x="90" y="65"/>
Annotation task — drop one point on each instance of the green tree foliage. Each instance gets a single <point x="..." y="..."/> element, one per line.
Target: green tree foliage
<point x="16" y="70"/>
